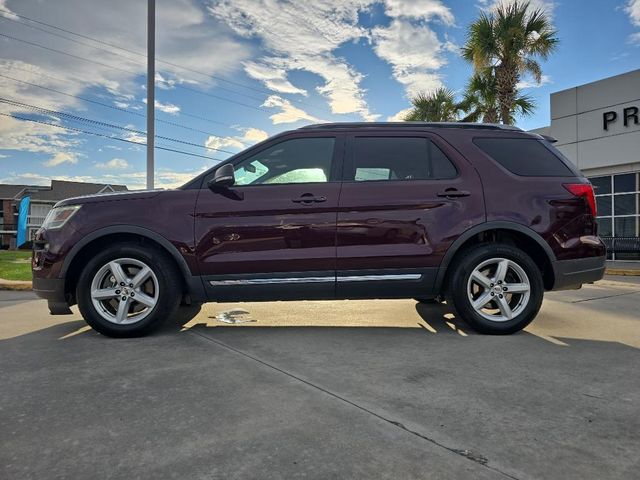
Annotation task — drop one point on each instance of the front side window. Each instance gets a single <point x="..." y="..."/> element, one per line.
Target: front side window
<point x="299" y="160"/>
<point x="399" y="158"/>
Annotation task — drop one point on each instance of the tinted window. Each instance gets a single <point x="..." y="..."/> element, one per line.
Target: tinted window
<point x="524" y="156"/>
<point x="399" y="158"/>
<point x="624" y="183"/>
<point x="601" y="185"/>
<point x="299" y="160"/>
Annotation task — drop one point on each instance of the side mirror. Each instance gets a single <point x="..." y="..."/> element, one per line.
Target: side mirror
<point x="224" y="178"/>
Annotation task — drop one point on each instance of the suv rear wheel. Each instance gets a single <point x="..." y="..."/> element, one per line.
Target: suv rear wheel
<point x="495" y="288"/>
<point x="128" y="290"/>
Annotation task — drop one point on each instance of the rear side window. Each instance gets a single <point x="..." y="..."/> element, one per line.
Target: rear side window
<point x="399" y="158"/>
<point x="524" y="156"/>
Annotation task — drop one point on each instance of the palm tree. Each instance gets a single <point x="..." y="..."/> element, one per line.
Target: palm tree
<point x="509" y="40"/>
<point x="480" y="101"/>
<point x="438" y="106"/>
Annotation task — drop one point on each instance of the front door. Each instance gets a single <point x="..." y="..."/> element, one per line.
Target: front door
<point x="405" y="198"/>
<point x="272" y="234"/>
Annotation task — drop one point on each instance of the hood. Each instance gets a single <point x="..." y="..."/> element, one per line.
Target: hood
<point x="109" y="197"/>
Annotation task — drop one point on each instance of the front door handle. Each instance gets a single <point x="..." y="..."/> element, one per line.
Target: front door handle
<point x="454" y="193"/>
<point x="308" y="198"/>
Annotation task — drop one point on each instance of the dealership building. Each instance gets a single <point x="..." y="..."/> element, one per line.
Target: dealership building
<point x="597" y="126"/>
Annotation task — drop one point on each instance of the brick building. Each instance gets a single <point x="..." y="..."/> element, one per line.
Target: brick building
<point x="43" y="199"/>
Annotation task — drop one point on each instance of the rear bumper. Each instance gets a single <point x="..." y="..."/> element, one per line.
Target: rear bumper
<point x="571" y="274"/>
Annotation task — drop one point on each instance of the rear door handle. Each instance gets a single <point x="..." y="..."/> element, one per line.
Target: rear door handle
<point x="454" y="193"/>
<point x="308" y="198"/>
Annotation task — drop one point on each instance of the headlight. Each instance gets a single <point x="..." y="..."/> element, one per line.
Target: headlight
<point x="57" y="217"/>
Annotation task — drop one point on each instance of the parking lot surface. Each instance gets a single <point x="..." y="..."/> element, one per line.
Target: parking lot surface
<point x="349" y="389"/>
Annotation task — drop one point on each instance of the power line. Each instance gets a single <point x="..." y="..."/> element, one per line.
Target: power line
<point x="112" y="107"/>
<point x="138" y="62"/>
<point x="131" y="72"/>
<point x="103" y="124"/>
<point x="159" y="60"/>
<point x="73" y="129"/>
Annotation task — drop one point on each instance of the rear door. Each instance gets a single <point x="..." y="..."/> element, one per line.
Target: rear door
<point x="272" y="235"/>
<point x="405" y="198"/>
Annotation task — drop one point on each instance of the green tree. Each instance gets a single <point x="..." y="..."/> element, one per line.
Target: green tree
<point x="509" y="41"/>
<point x="480" y="102"/>
<point x="438" y="106"/>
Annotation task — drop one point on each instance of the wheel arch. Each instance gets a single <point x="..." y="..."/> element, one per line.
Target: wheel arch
<point x="81" y="251"/>
<point x="518" y="235"/>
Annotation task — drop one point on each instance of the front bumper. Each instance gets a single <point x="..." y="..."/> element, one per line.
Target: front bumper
<point x="52" y="289"/>
<point x="571" y="274"/>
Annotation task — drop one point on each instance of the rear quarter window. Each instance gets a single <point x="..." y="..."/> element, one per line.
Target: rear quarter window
<point x="527" y="157"/>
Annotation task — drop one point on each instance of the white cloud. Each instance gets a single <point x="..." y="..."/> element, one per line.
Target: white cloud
<point x="634" y="38"/>
<point x="249" y="137"/>
<point x="273" y="77"/>
<point x="423" y="9"/>
<point x="164" y="107"/>
<point x="633" y="10"/>
<point x="60" y="158"/>
<point x="288" y="113"/>
<point x="410" y="46"/>
<point x="33" y="137"/>
<point x="531" y="83"/>
<point x="135" y="137"/>
<point x="114" y="164"/>
<point x="302" y="39"/>
<point x="214" y="142"/>
<point x="399" y="117"/>
<point x="548" y="6"/>
<point x="188" y="37"/>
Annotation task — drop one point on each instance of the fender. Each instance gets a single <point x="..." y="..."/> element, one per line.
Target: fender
<point x="483" y="227"/>
<point x="194" y="283"/>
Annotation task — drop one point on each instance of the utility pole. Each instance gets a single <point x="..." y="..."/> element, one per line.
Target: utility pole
<point x="151" y="89"/>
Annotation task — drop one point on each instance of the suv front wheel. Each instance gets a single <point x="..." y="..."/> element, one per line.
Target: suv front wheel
<point x="128" y="290"/>
<point x="495" y="288"/>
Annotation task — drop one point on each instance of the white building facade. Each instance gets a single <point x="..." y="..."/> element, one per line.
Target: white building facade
<point x="597" y="126"/>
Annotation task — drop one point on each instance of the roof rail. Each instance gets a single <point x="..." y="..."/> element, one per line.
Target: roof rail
<point x="481" y="126"/>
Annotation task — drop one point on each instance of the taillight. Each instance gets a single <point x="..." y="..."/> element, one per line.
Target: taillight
<point x="583" y="190"/>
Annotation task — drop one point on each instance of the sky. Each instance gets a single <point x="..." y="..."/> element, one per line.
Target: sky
<point x="231" y="73"/>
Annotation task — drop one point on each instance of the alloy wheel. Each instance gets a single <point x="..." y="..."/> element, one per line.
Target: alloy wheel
<point x="499" y="289"/>
<point x="124" y="291"/>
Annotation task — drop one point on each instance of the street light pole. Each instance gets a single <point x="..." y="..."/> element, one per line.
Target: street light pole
<point x="151" y="92"/>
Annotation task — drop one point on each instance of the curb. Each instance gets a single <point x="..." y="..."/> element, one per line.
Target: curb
<point x="622" y="272"/>
<point x="15" y="284"/>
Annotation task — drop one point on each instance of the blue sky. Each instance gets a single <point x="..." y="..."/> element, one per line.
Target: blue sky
<point x="232" y="72"/>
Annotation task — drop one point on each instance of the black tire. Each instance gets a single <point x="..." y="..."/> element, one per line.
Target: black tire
<point x="167" y="298"/>
<point x="186" y="313"/>
<point x="458" y="281"/>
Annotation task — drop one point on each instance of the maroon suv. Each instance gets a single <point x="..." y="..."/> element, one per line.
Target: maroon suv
<point x="487" y="217"/>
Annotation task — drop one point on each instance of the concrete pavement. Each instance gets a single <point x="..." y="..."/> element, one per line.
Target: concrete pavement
<point x="359" y="389"/>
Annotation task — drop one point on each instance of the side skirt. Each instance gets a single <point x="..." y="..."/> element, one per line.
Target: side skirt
<point x="323" y="285"/>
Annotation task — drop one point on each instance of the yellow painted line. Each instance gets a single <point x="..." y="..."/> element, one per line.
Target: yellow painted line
<point x="622" y="272"/>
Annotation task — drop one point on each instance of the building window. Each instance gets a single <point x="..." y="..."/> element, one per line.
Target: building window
<point x="37" y="213"/>
<point x="618" y="201"/>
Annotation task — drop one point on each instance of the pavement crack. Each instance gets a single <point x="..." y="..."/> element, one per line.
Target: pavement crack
<point x="467" y="454"/>
<point x="606" y="296"/>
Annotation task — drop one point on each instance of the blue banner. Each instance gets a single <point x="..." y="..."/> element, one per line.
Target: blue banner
<point x="23" y="214"/>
